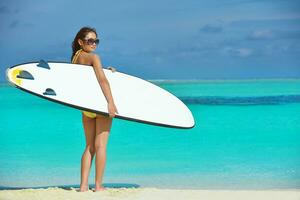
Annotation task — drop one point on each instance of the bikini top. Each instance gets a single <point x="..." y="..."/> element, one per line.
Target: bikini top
<point x="76" y="55"/>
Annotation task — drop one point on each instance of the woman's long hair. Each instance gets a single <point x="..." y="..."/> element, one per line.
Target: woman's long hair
<point x="81" y="35"/>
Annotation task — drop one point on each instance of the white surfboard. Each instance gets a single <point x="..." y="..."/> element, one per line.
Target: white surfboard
<point x="77" y="86"/>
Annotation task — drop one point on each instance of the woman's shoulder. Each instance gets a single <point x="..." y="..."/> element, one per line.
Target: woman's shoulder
<point x="95" y="58"/>
<point x="90" y="56"/>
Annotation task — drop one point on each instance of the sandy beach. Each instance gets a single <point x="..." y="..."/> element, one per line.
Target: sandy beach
<point x="55" y="193"/>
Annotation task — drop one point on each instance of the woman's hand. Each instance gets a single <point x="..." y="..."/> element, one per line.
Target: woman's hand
<point x="112" y="109"/>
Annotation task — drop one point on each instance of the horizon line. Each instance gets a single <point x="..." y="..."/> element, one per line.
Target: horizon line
<point x="216" y="80"/>
<point x="204" y="80"/>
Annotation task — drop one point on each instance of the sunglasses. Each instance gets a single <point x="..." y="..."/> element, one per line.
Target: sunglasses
<point x="91" y="41"/>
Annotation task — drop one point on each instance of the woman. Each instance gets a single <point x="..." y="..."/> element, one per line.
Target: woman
<point x="96" y="127"/>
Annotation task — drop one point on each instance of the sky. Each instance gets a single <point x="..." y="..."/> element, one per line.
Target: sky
<point x="160" y="39"/>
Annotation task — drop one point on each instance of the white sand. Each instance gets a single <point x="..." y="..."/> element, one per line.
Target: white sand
<point x="55" y="193"/>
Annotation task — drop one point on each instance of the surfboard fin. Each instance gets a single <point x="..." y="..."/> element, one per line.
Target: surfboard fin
<point x="49" y="91"/>
<point x="25" y="75"/>
<point x="43" y="64"/>
<point x="112" y="69"/>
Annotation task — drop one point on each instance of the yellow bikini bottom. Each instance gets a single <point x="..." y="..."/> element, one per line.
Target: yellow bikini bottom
<point x="89" y="114"/>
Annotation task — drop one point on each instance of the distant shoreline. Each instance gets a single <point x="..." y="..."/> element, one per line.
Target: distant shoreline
<point x="221" y="80"/>
<point x="205" y="80"/>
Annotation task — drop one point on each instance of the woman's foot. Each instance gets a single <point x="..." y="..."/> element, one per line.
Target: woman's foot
<point x="83" y="188"/>
<point x="99" y="188"/>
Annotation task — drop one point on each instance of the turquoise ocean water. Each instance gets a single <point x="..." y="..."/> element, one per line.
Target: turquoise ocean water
<point x="247" y="136"/>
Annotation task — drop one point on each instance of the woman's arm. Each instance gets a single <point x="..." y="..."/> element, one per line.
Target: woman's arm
<point x="104" y="84"/>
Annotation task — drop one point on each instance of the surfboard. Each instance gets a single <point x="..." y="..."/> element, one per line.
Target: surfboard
<point x="76" y="85"/>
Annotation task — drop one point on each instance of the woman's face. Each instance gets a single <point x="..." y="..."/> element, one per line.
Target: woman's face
<point x="89" y="43"/>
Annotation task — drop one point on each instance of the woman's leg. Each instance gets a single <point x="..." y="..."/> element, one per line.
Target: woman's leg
<point x="103" y="126"/>
<point x="89" y="125"/>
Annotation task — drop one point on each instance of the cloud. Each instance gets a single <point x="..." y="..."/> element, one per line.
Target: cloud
<point x="14" y="24"/>
<point x="19" y="23"/>
<point x="261" y="34"/>
<point x="240" y="52"/>
<point x="4" y="10"/>
<point x="244" y="52"/>
<point x="274" y="34"/>
<point x="258" y="2"/>
<point x="209" y="28"/>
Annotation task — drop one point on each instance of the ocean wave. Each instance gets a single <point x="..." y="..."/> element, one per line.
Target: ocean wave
<point x="253" y="100"/>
